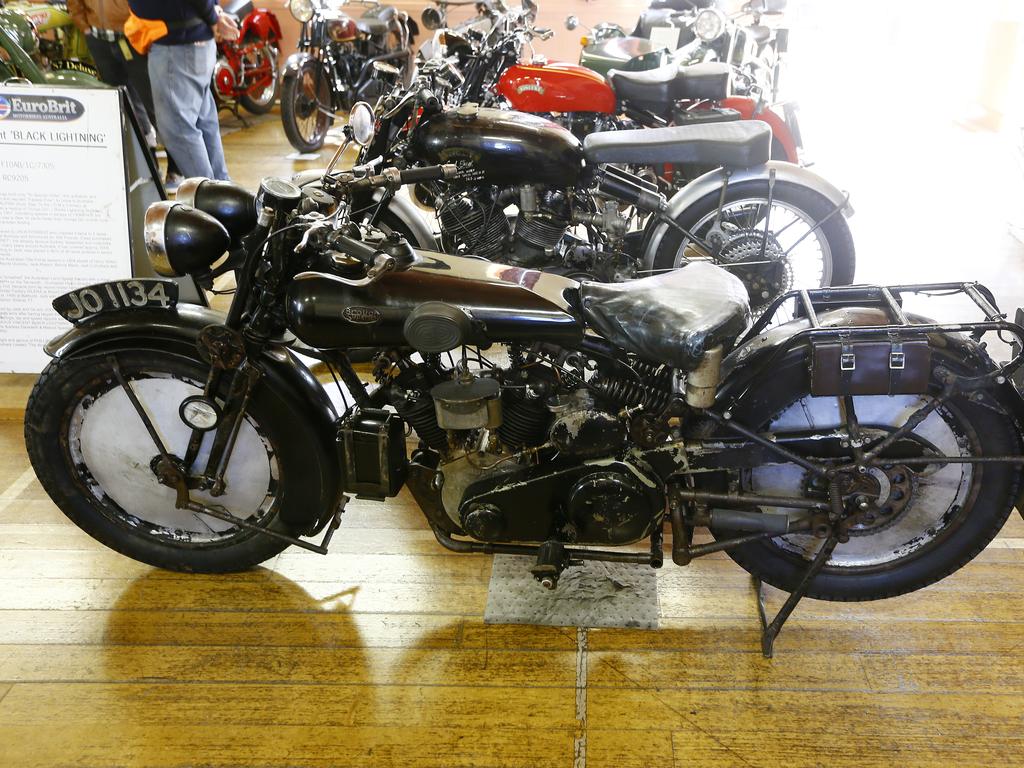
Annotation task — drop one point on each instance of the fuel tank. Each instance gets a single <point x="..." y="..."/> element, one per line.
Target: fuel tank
<point x="556" y="87"/>
<point x="504" y="148"/>
<point x="503" y="304"/>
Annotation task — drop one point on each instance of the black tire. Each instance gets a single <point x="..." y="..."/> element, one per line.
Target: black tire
<point x="836" y="231"/>
<point x="48" y="438"/>
<point x="966" y="531"/>
<point x="263" y="107"/>
<point x="297" y="105"/>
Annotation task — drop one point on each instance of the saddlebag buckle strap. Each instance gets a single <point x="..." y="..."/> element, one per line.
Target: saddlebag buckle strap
<point x="889" y="366"/>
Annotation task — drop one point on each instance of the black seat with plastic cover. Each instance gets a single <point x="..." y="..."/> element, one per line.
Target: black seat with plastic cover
<point x="735" y="144"/>
<point x="659" y="88"/>
<point x="674" y="317"/>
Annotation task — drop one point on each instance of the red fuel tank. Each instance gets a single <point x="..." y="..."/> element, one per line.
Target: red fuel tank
<point x="556" y="87"/>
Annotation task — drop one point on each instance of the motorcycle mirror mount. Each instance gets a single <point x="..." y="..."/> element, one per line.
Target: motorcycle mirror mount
<point x="361" y="122"/>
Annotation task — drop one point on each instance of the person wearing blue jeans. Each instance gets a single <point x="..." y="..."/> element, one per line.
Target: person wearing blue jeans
<point x="180" y="68"/>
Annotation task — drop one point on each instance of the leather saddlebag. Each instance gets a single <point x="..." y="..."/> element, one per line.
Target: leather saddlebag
<point x="890" y="367"/>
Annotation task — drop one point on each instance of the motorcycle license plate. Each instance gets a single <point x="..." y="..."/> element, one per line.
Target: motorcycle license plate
<point x="82" y="303"/>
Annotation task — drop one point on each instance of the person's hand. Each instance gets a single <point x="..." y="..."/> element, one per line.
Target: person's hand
<point x="226" y="28"/>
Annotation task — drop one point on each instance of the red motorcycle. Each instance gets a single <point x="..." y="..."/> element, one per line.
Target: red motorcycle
<point x="667" y="95"/>
<point x="246" y="73"/>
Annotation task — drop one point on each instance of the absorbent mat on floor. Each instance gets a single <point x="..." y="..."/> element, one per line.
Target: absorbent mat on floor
<point x="595" y="594"/>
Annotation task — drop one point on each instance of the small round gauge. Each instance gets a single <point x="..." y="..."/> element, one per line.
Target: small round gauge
<point x="199" y="413"/>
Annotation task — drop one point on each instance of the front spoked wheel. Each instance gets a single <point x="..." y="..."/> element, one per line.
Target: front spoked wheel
<point x="304" y="99"/>
<point x="917" y="522"/>
<point x="97" y="460"/>
<point x="796" y="242"/>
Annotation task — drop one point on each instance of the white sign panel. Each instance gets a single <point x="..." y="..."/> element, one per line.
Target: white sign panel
<point x="63" y="209"/>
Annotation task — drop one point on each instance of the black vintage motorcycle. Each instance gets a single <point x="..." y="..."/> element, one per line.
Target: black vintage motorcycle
<point x="855" y="453"/>
<point x="334" y="66"/>
<point x="530" y="193"/>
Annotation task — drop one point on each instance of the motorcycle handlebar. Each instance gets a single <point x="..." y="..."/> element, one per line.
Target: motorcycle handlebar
<point x="394" y="178"/>
<point x="426" y="99"/>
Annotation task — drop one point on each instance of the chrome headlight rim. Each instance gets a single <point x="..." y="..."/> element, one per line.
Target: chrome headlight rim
<point x="707" y="21"/>
<point x="301" y="10"/>
<point x="153" y="230"/>
<point x="188" y="189"/>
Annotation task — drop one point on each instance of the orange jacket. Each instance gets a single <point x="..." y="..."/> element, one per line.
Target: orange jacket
<point x="102" y="14"/>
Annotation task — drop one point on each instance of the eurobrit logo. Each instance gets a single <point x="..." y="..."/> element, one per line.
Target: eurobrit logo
<point x="49" y="109"/>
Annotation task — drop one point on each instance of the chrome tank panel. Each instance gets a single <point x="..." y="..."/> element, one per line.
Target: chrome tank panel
<point x="506" y="303"/>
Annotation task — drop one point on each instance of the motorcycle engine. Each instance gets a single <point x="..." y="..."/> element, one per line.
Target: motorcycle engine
<point x="521" y="457"/>
<point x="478" y="222"/>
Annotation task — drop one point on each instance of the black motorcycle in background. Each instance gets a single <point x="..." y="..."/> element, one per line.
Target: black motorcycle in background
<point x="531" y="194"/>
<point x="334" y="66"/>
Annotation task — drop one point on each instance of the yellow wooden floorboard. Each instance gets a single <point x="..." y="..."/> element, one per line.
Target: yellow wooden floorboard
<point x="211" y="745"/>
<point x="268" y="664"/>
<point x="288" y="704"/>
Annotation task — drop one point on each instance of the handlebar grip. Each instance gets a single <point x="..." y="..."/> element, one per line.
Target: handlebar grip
<point x="416" y="175"/>
<point x="426" y="99"/>
<point x="354" y="248"/>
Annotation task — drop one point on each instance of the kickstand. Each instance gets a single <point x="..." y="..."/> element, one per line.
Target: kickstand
<point x="770" y="630"/>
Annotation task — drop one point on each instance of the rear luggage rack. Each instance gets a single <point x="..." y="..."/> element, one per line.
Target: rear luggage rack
<point x="809" y="303"/>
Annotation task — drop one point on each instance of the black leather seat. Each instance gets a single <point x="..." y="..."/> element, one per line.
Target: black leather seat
<point x="375" y="21"/>
<point x="659" y="88"/>
<point x="735" y="144"/>
<point x="674" y="317"/>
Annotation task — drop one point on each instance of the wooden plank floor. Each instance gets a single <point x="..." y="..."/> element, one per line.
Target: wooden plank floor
<point x="377" y="655"/>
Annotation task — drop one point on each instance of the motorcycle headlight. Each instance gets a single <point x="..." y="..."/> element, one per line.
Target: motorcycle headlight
<point x="431" y="18"/>
<point x="302" y="10"/>
<point x="229" y="203"/>
<point x="709" y="24"/>
<point x="181" y="240"/>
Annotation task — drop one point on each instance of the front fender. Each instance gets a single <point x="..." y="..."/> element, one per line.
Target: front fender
<point x="712" y="182"/>
<point x="175" y="331"/>
<point x="294" y="64"/>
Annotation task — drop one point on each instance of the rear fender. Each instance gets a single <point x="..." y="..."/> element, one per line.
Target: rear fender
<point x="263" y="24"/>
<point x="744" y="367"/>
<point x="751" y="109"/>
<point x="712" y="182"/>
<point x="175" y="331"/>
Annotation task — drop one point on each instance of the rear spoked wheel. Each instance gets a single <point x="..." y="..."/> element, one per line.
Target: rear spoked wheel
<point x="921" y="522"/>
<point x="797" y="252"/>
